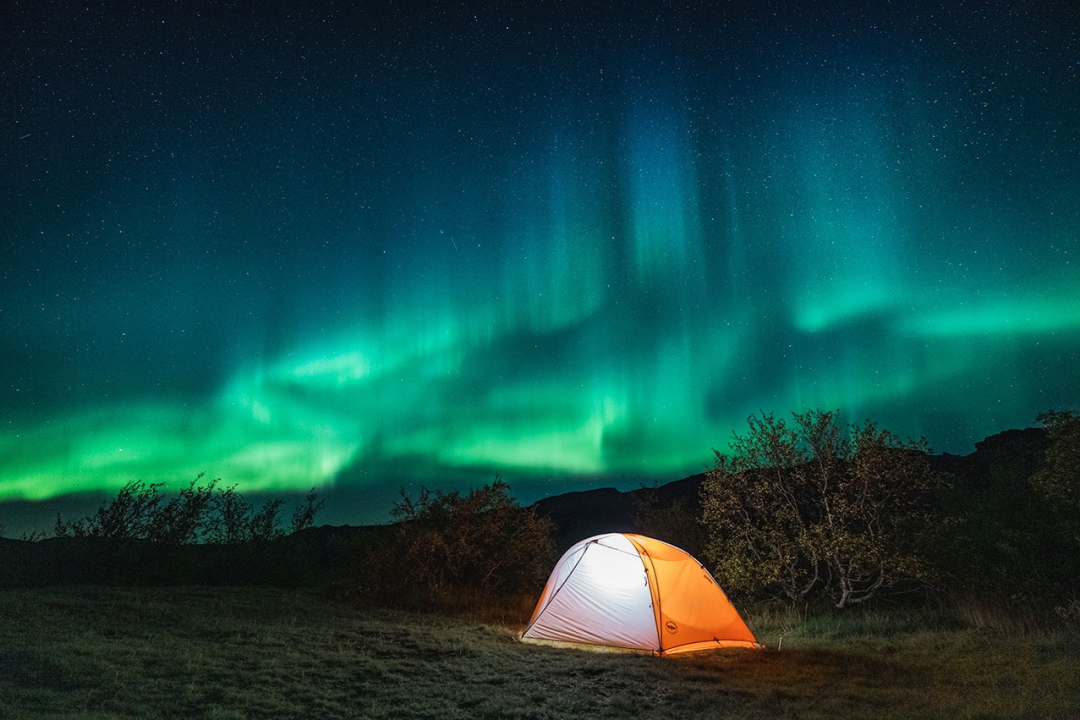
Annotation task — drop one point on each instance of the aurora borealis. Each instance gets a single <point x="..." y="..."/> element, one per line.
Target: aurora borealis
<point x="355" y="245"/>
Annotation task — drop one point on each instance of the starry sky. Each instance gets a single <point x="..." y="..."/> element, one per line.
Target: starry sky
<point x="364" y="245"/>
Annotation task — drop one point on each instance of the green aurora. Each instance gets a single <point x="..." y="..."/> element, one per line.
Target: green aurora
<point x="352" y="248"/>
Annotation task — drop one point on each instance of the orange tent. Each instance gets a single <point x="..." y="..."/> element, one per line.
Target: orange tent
<point x="630" y="591"/>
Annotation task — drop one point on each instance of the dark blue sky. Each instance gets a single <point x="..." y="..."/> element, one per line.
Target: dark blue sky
<point x="359" y="244"/>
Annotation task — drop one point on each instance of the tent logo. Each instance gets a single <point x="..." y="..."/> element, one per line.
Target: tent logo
<point x="671" y="627"/>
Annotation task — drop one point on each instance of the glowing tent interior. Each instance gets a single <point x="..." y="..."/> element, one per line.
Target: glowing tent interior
<point x="630" y="591"/>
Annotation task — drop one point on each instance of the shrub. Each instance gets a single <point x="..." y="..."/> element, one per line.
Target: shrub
<point x="205" y="513"/>
<point x="806" y="508"/>
<point x="447" y="541"/>
<point x="130" y="515"/>
<point x="1013" y="531"/>
<point x="675" y="521"/>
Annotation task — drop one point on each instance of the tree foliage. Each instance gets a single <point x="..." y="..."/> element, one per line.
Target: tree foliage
<point x="230" y="523"/>
<point x="1013" y="533"/>
<point x="199" y="513"/>
<point x="304" y="515"/>
<point x="140" y="512"/>
<point x="1057" y="501"/>
<point x="1058" y="481"/>
<point x="806" y="507"/>
<point x="676" y="520"/>
<point x="480" y="540"/>
<point x="1059" y="477"/>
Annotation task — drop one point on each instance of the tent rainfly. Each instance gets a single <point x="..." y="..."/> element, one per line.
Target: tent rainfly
<point x="630" y="591"/>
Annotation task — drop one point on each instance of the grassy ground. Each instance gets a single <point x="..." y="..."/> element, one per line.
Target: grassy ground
<point x="256" y="653"/>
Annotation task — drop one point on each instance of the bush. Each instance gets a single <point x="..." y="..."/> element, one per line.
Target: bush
<point x="807" y="508"/>
<point x="1014" y="519"/>
<point x="675" y="522"/>
<point x="447" y="542"/>
<point x="199" y="513"/>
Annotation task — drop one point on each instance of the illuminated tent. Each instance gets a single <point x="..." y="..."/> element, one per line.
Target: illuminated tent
<point x="630" y="591"/>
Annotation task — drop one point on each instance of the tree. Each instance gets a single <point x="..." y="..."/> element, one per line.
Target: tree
<point x="799" y="509"/>
<point x="303" y="516"/>
<point x="181" y="520"/>
<point x="1059" y="476"/>
<point x="757" y="525"/>
<point x="879" y="515"/>
<point x="235" y="521"/>
<point x="198" y="512"/>
<point x="1013" y="514"/>
<point x="674" y="521"/>
<point x="1057" y="489"/>
<point x="264" y="525"/>
<point x="229" y="522"/>
<point x="482" y="540"/>
<point x="130" y="515"/>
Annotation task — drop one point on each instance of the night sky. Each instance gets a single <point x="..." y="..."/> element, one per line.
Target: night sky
<point x="358" y="245"/>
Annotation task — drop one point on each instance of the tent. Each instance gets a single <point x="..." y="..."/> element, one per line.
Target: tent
<point x="629" y="591"/>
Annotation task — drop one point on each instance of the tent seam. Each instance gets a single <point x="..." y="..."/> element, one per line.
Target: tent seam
<point x="559" y="589"/>
<point x="654" y="590"/>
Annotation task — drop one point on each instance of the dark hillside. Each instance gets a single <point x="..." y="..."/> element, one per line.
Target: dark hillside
<point x="1005" y="458"/>
<point x="579" y="515"/>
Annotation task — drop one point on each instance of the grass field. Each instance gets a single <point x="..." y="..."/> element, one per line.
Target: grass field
<point x="259" y="653"/>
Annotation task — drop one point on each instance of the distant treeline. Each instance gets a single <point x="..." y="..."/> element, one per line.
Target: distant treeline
<point x="442" y="546"/>
<point x="801" y="509"/>
<point x="199" y="513"/>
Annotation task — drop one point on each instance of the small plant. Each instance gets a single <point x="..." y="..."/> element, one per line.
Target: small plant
<point x="1070" y="611"/>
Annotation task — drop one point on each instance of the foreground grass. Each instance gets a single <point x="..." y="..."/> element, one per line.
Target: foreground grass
<point x="257" y="653"/>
